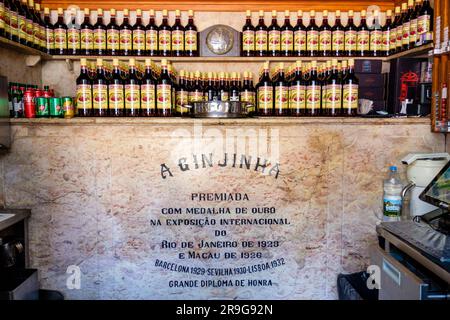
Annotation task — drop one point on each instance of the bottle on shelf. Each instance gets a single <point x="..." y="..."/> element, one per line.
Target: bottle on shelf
<point x="49" y="33"/>
<point x="191" y="37"/>
<point x="312" y="36"/>
<point x="406" y="25"/>
<point x="413" y="24"/>
<point x="13" y="21"/>
<point x="6" y="17"/>
<point x="126" y="35"/>
<point x="99" y="34"/>
<point x="148" y="91"/>
<point x="376" y="36"/>
<point x="299" y="36"/>
<point x="287" y="36"/>
<point x="138" y="35"/>
<point x="28" y="24"/>
<point x="281" y="93"/>
<point x="196" y="89"/>
<point x="177" y="36"/>
<point x="350" y="36"/>
<point x="211" y="93"/>
<point x="233" y="88"/>
<point x="350" y="91"/>
<point x="333" y="92"/>
<point x="21" y="23"/>
<point x="223" y="89"/>
<point x="100" y="92"/>
<point x="116" y="92"/>
<point x="325" y="36"/>
<point x="425" y="23"/>
<point x="248" y="37"/>
<point x="247" y="93"/>
<point x="337" y="36"/>
<point x="34" y="26"/>
<point x="151" y="36"/>
<point x="264" y="93"/>
<point x="297" y="92"/>
<point x="164" y="36"/>
<point x="132" y="91"/>
<point x="389" y="36"/>
<point x="73" y="34"/>
<point x="261" y="37"/>
<point x="274" y="35"/>
<point x="83" y="97"/>
<point x="399" y="31"/>
<point x="363" y="37"/>
<point x="60" y="32"/>
<point x="182" y="95"/>
<point x="164" y="91"/>
<point x="313" y="90"/>
<point x="41" y="27"/>
<point x="112" y="35"/>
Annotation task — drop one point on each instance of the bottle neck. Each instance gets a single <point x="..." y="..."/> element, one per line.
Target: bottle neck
<point x="191" y="21"/>
<point x="100" y="20"/>
<point x="248" y="21"/>
<point x="113" y="20"/>
<point x="350" y="21"/>
<point x="138" y="21"/>
<point x="261" y="20"/>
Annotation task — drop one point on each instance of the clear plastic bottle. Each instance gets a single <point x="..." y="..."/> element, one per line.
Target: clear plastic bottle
<point x="392" y="199"/>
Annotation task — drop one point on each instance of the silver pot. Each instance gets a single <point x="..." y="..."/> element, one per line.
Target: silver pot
<point x="219" y="109"/>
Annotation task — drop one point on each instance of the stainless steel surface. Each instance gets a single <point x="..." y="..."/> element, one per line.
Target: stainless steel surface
<point x="5" y="129"/>
<point x="415" y="254"/>
<point x="396" y="281"/>
<point x="219" y="109"/>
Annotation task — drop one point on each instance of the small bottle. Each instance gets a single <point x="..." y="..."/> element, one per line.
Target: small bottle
<point x="399" y="31"/>
<point x="425" y="23"/>
<point x="177" y="36"/>
<point x="84" y="91"/>
<point x="299" y="36"/>
<point x="350" y="36"/>
<point x="248" y="37"/>
<point x="112" y="35"/>
<point x="196" y="89"/>
<point x="261" y="37"/>
<point x="60" y="32"/>
<point x="49" y="33"/>
<point x="376" y="36"/>
<point x="274" y="35"/>
<point x="132" y="91"/>
<point x="313" y="90"/>
<point x="73" y="34"/>
<point x="363" y="37"/>
<point x="148" y="91"/>
<point x="86" y="35"/>
<point x="325" y="36"/>
<point x="138" y="35"/>
<point x="264" y="92"/>
<point x="287" y="36"/>
<point x="350" y="91"/>
<point x="13" y="21"/>
<point x="388" y="38"/>
<point x="223" y="88"/>
<point x="337" y="36"/>
<point x="413" y="25"/>
<point x="297" y="92"/>
<point x="392" y="196"/>
<point x="21" y="23"/>
<point x="333" y="92"/>
<point x="100" y="92"/>
<point x="116" y="92"/>
<point x="182" y="96"/>
<point x="191" y="37"/>
<point x="126" y="35"/>
<point x="151" y="36"/>
<point x="407" y="25"/>
<point x="312" y="36"/>
<point x="164" y="36"/>
<point x="247" y="93"/>
<point x="281" y="91"/>
<point x="164" y="91"/>
<point x="234" y="91"/>
<point x="99" y="35"/>
<point x="210" y="92"/>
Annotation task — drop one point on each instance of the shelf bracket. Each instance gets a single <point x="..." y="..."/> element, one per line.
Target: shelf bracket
<point x="69" y="64"/>
<point x="32" y="60"/>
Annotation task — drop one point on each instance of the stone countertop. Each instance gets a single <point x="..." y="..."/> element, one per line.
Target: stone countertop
<point x="277" y="121"/>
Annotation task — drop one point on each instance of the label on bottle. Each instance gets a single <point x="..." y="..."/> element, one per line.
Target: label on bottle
<point x="113" y="39"/>
<point x="265" y="98"/>
<point x="139" y="40"/>
<point x="338" y="41"/>
<point x="86" y="39"/>
<point x="84" y="96"/>
<point x="297" y="97"/>
<point x="312" y="39"/>
<point x="261" y="40"/>
<point x="423" y="24"/>
<point x="99" y="39"/>
<point x="376" y="40"/>
<point x="325" y="40"/>
<point x="116" y="100"/>
<point x="164" y="40"/>
<point x="163" y="96"/>
<point x="60" y="38"/>
<point x="350" y="96"/>
<point x="73" y="39"/>
<point x="324" y="99"/>
<point x="177" y="40"/>
<point x="392" y="39"/>
<point x="6" y="20"/>
<point x="196" y="96"/>
<point x="2" y="16"/>
<point x="405" y="33"/>
<point x="249" y="97"/>
<point x="190" y="40"/>
<point x="351" y="38"/>
<point x="363" y="42"/>
<point x="29" y="24"/>
<point x="42" y="36"/>
<point x="224" y="96"/>
<point x="248" y="40"/>
<point x="50" y="38"/>
<point x="313" y="97"/>
<point x="413" y="24"/>
<point x="281" y="97"/>
<point x="100" y="96"/>
<point x="300" y="40"/>
<point x="36" y="34"/>
<point x="22" y="27"/>
<point x="182" y="98"/>
<point x="148" y="96"/>
<point x="132" y="96"/>
<point x="14" y="24"/>
<point x="392" y="206"/>
<point x="126" y="39"/>
<point x="151" y="40"/>
<point x="399" y="36"/>
<point x="287" y="40"/>
<point x="274" y="40"/>
<point x="334" y="94"/>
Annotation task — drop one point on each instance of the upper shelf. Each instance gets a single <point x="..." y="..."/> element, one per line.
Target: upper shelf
<point x="5" y="43"/>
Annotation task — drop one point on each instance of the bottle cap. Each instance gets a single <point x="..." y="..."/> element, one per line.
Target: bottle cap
<point x="299" y="13"/>
<point x="266" y="65"/>
<point x="350" y="13"/>
<point x="325" y="13"/>
<point x="245" y="74"/>
<point x="222" y="75"/>
<point x="274" y="13"/>
<point x="152" y="12"/>
<point x="138" y="12"/>
<point x="389" y="13"/>
<point x="197" y="74"/>
<point x="191" y="13"/>
<point x="100" y="12"/>
<point x="248" y="13"/>
<point x="363" y="13"/>
<point x="397" y="9"/>
<point x="261" y="13"/>
<point x="298" y="64"/>
<point x="404" y="6"/>
<point x="376" y="13"/>
<point x="312" y="13"/>
<point x="410" y="3"/>
<point x="181" y="73"/>
<point x="233" y="75"/>
<point x="287" y="13"/>
<point x="125" y="12"/>
<point x="344" y="63"/>
<point x="112" y="12"/>
<point x="46" y="10"/>
<point x="314" y="64"/>
<point x="132" y="62"/>
<point x="164" y="13"/>
<point x="281" y="66"/>
<point x="164" y="62"/>
<point x="393" y="168"/>
<point x="210" y="75"/>
<point x="330" y="63"/>
<point x="351" y="62"/>
<point x="148" y="62"/>
<point x="83" y="61"/>
<point x="60" y="11"/>
<point x="177" y="13"/>
<point x="334" y="62"/>
<point x="338" y="13"/>
<point x="115" y="62"/>
<point x="99" y="62"/>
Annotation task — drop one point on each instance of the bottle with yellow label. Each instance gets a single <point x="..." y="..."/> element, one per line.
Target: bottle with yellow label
<point x="99" y="34"/>
<point x="60" y="32"/>
<point x="100" y="92"/>
<point x="132" y="91"/>
<point x="13" y="21"/>
<point x="299" y="36"/>
<point x="196" y="89"/>
<point x="281" y="90"/>
<point x="126" y="35"/>
<point x="49" y="33"/>
<point x="248" y="36"/>
<point x="312" y="36"/>
<point x="363" y="37"/>
<point x="138" y="35"/>
<point x="86" y="34"/>
<point x="297" y="92"/>
<point x="274" y="36"/>
<point x="177" y="36"/>
<point x="264" y="93"/>
<point x="350" y="91"/>
<point x="112" y="35"/>
<point x="261" y="37"/>
<point x="151" y="36"/>
<point x="247" y="93"/>
<point x="165" y="36"/>
<point x="350" y="36"/>
<point x="287" y="36"/>
<point x="313" y="91"/>
<point x="83" y="99"/>
<point x="73" y="34"/>
<point x="333" y="93"/>
<point x="116" y="92"/>
<point x="325" y="36"/>
<point x="191" y="37"/>
<point x="148" y="91"/>
<point x="337" y="36"/>
<point x="181" y="95"/>
<point x="164" y="92"/>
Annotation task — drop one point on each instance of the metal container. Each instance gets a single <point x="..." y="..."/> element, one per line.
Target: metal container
<point x="68" y="109"/>
<point x="56" y="110"/>
<point x="219" y="109"/>
<point x="42" y="110"/>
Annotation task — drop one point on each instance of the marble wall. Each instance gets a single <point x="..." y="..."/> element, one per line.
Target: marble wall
<point x="94" y="185"/>
<point x="12" y="66"/>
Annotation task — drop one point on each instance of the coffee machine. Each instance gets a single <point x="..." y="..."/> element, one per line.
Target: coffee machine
<point x="422" y="168"/>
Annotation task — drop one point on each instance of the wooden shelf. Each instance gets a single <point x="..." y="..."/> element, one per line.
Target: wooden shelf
<point x="419" y="52"/>
<point x="20" y="48"/>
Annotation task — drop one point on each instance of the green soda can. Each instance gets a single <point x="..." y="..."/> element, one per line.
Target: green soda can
<point x="42" y="110"/>
<point x="56" y="110"/>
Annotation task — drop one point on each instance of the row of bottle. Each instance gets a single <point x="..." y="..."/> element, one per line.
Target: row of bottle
<point x="16" y="97"/>
<point x="411" y="27"/>
<point x="22" y="22"/>
<point x="307" y="89"/>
